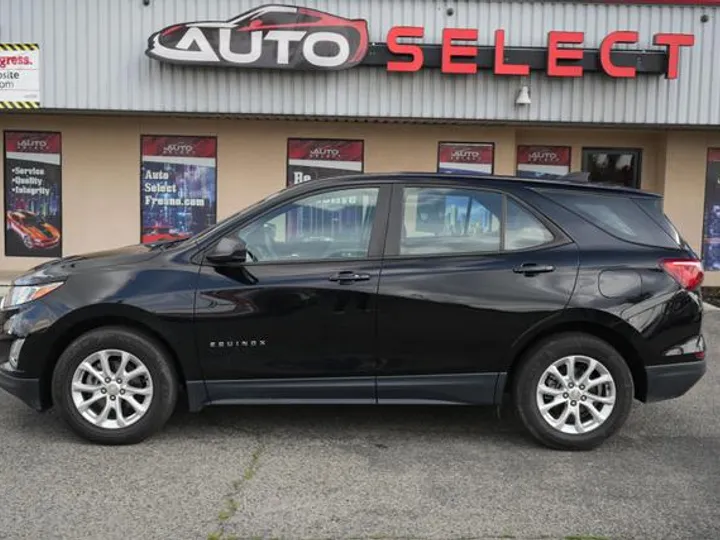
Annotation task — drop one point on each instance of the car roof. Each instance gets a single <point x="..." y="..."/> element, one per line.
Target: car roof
<point x="472" y="180"/>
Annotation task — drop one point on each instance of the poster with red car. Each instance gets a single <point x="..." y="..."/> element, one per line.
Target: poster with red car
<point x="466" y="158"/>
<point x="178" y="187"/>
<point x="711" y="221"/>
<point x="33" y="213"/>
<point x="313" y="159"/>
<point x="543" y="161"/>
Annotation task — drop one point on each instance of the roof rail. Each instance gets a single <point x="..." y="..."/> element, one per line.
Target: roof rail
<point x="579" y="176"/>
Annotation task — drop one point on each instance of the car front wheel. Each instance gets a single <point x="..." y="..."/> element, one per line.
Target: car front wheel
<point x="114" y="386"/>
<point x="573" y="391"/>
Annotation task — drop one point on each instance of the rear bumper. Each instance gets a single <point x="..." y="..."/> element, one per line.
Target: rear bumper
<point x="27" y="390"/>
<point x="672" y="380"/>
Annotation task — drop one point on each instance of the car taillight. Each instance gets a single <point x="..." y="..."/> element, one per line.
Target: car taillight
<point x="687" y="272"/>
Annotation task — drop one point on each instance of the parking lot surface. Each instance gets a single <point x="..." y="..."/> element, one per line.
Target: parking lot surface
<point x="367" y="473"/>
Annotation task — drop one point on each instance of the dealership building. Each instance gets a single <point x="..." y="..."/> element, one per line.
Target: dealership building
<point x="142" y="119"/>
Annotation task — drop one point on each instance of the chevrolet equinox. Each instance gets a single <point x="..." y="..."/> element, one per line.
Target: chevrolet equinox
<point x="567" y="299"/>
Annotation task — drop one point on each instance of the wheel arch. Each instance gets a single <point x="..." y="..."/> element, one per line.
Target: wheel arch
<point x="609" y="331"/>
<point x="88" y="320"/>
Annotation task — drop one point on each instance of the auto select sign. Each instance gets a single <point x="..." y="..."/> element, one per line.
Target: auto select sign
<point x="297" y="38"/>
<point x="19" y="76"/>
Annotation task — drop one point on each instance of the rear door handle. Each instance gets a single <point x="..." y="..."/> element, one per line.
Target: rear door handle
<point x="530" y="269"/>
<point x="349" y="277"/>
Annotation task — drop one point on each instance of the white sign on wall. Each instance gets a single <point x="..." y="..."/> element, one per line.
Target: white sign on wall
<point x="19" y="76"/>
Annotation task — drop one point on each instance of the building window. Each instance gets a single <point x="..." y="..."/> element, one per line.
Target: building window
<point x="614" y="166"/>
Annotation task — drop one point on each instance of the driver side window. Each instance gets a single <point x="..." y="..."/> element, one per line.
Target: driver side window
<point x="330" y="225"/>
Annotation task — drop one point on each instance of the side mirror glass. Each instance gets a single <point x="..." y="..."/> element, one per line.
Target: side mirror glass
<point x="229" y="250"/>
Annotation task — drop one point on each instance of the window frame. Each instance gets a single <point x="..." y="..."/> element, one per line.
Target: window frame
<point x="377" y="233"/>
<point x="638" y="153"/>
<point x="396" y="216"/>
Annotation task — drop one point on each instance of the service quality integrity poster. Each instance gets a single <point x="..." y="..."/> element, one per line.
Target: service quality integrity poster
<point x="178" y="186"/>
<point x="33" y="213"/>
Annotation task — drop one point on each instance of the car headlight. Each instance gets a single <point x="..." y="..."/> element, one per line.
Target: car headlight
<point x="22" y="294"/>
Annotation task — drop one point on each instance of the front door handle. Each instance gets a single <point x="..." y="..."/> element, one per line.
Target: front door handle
<point x="349" y="276"/>
<point x="530" y="269"/>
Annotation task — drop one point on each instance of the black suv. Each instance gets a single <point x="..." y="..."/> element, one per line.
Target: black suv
<point x="569" y="299"/>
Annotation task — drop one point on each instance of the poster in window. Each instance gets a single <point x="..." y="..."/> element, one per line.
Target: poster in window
<point x="711" y="236"/>
<point x="466" y="158"/>
<point x="543" y="161"/>
<point x="33" y="213"/>
<point x="178" y="186"/>
<point x="314" y="159"/>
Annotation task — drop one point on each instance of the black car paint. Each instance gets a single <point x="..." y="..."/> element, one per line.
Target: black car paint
<point x="438" y="329"/>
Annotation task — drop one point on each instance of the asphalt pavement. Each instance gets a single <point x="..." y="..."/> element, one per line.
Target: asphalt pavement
<point x="377" y="473"/>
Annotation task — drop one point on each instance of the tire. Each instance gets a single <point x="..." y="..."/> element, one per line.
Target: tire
<point x="158" y="381"/>
<point x="528" y="396"/>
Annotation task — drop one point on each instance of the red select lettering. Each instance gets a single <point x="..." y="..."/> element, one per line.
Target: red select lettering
<point x="673" y="42"/>
<point x="399" y="48"/>
<point x="449" y="50"/>
<point x="606" y="48"/>
<point x="555" y="53"/>
<point x="558" y="52"/>
<point x="501" y="68"/>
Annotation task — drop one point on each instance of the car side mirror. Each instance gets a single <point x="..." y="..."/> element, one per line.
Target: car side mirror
<point x="229" y="250"/>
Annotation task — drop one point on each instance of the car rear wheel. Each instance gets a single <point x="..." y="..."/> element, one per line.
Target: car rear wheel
<point x="573" y="391"/>
<point x="28" y="242"/>
<point x="114" y="386"/>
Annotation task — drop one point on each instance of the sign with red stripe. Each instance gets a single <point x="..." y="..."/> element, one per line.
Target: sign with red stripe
<point x="543" y="161"/>
<point x="313" y="159"/>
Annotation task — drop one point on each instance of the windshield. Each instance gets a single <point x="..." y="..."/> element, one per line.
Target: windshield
<point x="30" y="220"/>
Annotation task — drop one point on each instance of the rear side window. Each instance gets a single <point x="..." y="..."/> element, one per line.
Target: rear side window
<point x="635" y="219"/>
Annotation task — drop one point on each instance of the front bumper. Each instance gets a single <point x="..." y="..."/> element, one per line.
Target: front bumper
<point x="673" y="380"/>
<point x="27" y="390"/>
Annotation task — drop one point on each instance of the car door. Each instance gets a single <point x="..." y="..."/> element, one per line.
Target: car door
<point x="467" y="271"/>
<point x="296" y="322"/>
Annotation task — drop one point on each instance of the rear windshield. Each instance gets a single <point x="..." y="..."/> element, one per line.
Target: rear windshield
<point x="636" y="219"/>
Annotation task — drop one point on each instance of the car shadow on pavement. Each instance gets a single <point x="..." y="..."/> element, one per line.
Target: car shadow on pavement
<point x="377" y="423"/>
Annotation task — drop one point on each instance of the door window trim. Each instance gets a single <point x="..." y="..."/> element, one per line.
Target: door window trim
<point x="377" y="233"/>
<point x="395" y="222"/>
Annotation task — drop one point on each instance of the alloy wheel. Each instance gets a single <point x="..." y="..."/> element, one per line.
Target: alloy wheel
<point x="576" y="394"/>
<point x="112" y="389"/>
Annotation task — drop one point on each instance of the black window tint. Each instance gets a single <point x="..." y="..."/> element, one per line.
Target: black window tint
<point x="276" y="18"/>
<point x="437" y="221"/>
<point x="523" y="230"/>
<point x="616" y="215"/>
<point x="653" y="207"/>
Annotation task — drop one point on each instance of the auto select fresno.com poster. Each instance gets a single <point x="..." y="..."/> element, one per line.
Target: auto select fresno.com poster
<point x="314" y="159"/>
<point x="178" y="186"/>
<point x="33" y="214"/>
<point x="543" y="161"/>
<point x="711" y="236"/>
<point x="465" y="158"/>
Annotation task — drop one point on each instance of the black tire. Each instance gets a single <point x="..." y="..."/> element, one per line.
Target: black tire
<point x="535" y="363"/>
<point x="155" y="358"/>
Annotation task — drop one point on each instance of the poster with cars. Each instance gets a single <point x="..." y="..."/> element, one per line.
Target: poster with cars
<point x="543" y="161"/>
<point x="466" y="158"/>
<point x="33" y="213"/>
<point x="711" y="228"/>
<point x="314" y="159"/>
<point x="178" y="186"/>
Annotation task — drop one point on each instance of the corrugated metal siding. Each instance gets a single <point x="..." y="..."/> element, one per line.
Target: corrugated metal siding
<point x="93" y="59"/>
